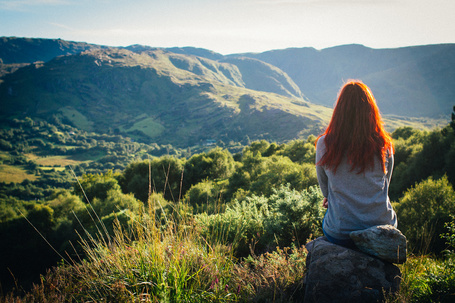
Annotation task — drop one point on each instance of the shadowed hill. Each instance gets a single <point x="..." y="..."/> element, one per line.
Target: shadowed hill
<point x="155" y="96"/>
<point x="262" y="76"/>
<point x="29" y="50"/>
<point x="410" y="81"/>
<point x="186" y="96"/>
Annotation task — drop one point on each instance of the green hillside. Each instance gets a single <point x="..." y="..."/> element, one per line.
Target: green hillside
<point x="144" y="170"/>
<point x="186" y="96"/>
<point x="155" y="96"/>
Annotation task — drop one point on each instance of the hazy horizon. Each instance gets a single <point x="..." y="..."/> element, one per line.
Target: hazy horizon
<point x="233" y="26"/>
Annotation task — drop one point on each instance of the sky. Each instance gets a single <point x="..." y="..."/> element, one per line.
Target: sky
<point x="233" y="26"/>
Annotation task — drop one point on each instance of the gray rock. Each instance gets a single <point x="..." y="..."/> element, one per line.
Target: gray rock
<point x="339" y="274"/>
<point x="384" y="241"/>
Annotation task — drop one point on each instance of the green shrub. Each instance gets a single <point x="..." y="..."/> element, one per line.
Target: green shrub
<point x="450" y="235"/>
<point x="92" y="186"/>
<point x="426" y="280"/>
<point x="422" y="213"/>
<point x="260" y="224"/>
<point x="241" y="225"/>
<point x="295" y="216"/>
<point x="215" y="165"/>
<point x="259" y="175"/>
<point x="204" y="197"/>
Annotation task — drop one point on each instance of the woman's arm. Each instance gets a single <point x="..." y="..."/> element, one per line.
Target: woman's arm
<point x="390" y="167"/>
<point x="322" y="176"/>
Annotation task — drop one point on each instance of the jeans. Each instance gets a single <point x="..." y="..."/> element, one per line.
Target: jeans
<point x="343" y="242"/>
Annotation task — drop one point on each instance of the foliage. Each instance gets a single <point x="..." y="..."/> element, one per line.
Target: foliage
<point x="59" y="219"/>
<point x="162" y="174"/>
<point x="91" y="186"/>
<point x="421" y="155"/>
<point x="423" y="211"/>
<point x="259" y="175"/>
<point x="273" y="276"/>
<point x="295" y="216"/>
<point x="259" y="224"/>
<point x="172" y="265"/>
<point x="217" y="164"/>
<point x="252" y="205"/>
<point x="205" y="197"/>
<point x="450" y="235"/>
<point x="425" y="279"/>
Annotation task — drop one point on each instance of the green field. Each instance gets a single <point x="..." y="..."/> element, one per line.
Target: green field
<point x="51" y="161"/>
<point x="17" y="174"/>
<point x="78" y="119"/>
<point x="146" y="125"/>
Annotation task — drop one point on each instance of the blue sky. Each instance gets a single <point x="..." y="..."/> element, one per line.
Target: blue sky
<point x="233" y="26"/>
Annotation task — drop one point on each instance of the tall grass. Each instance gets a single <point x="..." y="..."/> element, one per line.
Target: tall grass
<point x="161" y="261"/>
<point x="426" y="278"/>
<point x="150" y="262"/>
<point x="162" y="256"/>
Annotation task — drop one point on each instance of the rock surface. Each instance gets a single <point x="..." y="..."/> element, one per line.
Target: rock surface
<point x="384" y="241"/>
<point x="339" y="274"/>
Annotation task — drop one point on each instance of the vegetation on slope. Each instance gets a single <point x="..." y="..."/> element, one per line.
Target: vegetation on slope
<point x="135" y="221"/>
<point x="242" y="206"/>
<point x="155" y="96"/>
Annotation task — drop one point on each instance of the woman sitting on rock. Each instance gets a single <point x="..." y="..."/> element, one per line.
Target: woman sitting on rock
<point x="354" y="162"/>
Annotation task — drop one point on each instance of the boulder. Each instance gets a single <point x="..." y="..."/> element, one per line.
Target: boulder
<point x="384" y="241"/>
<point x="339" y="274"/>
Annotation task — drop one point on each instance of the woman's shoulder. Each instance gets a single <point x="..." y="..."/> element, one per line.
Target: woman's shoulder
<point x="321" y="142"/>
<point x="320" y="147"/>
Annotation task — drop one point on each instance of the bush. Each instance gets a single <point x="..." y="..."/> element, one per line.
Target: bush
<point x="450" y="235"/>
<point x="423" y="211"/>
<point x="295" y="216"/>
<point x="426" y="280"/>
<point x="96" y="186"/>
<point x="204" y="197"/>
<point x="260" y="224"/>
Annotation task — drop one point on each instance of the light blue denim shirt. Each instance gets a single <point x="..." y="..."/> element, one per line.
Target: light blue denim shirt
<point x="355" y="201"/>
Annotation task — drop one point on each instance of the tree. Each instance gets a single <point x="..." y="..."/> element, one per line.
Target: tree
<point x="95" y="186"/>
<point x="214" y="165"/>
<point x="204" y="197"/>
<point x="300" y="151"/>
<point x="161" y="175"/>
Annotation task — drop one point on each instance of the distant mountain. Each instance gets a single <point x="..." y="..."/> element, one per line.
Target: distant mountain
<point x="185" y="96"/>
<point x="156" y="96"/>
<point x="192" y="51"/>
<point x="410" y="81"/>
<point x="29" y="50"/>
<point x="262" y="76"/>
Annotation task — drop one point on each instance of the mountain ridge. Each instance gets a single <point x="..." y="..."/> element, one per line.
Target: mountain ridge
<point x="185" y="96"/>
<point x="148" y="97"/>
<point x="388" y="72"/>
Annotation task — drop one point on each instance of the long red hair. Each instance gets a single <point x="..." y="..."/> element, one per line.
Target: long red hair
<point x="355" y="130"/>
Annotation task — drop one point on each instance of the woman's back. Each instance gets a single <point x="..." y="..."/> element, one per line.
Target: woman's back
<point x="356" y="200"/>
<point x="354" y="162"/>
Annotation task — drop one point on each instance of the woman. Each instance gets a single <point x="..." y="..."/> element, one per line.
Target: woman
<point x="354" y="162"/>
